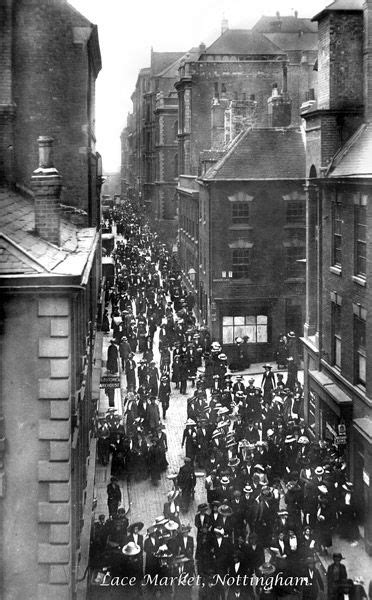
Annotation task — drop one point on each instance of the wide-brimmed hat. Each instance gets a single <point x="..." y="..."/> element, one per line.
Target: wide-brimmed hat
<point x="291" y="334"/>
<point x="319" y="471"/>
<point x="163" y="553"/>
<point x="137" y="524"/>
<point x="225" y="480"/>
<point x="266" y="366"/>
<point x="234" y="462"/>
<point x="202" y="507"/>
<point x="225" y="510"/>
<point x="222" y="356"/>
<point x="131" y="549"/>
<point x="289" y="439"/>
<point x="190" y="423"/>
<point x="247" y="489"/>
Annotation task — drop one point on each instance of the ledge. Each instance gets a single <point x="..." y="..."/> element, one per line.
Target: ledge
<point x="335" y="270"/>
<point x="359" y="280"/>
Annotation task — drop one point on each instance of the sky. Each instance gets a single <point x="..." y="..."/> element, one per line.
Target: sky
<point x="128" y="29"/>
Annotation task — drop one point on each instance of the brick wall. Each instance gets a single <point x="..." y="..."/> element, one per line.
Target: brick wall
<point x="340" y="73"/>
<point x="341" y="281"/>
<point x="51" y="90"/>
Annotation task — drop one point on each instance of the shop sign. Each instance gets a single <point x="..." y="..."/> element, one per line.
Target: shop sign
<point x="365" y="477"/>
<point x="340" y="440"/>
<point x="109" y="381"/>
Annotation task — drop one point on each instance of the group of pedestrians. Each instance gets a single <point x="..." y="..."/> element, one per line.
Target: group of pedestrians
<point x="274" y="494"/>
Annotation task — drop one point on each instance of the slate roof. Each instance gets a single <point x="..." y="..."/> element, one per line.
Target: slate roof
<point x="342" y="5"/>
<point x="355" y="158"/>
<point x="162" y="60"/>
<point x="22" y="251"/>
<point x="171" y="71"/>
<point x="289" y="24"/>
<point x="263" y="153"/>
<point x="294" y="41"/>
<point x="243" y="42"/>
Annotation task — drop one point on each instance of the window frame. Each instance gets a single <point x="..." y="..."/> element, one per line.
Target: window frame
<point x="243" y="265"/>
<point x="360" y="204"/>
<point x="241" y="329"/>
<point x="240" y="213"/>
<point x="360" y="351"/>
<point x="337" y="223"/>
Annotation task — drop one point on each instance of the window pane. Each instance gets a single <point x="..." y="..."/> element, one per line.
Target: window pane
<point x="238" y="320"/>
<point x="251" y="333"/>
<point x="261" y="334"/>
<point x="362" y="368"/>
<point x="261" y="319"/>
<point x="227" y="320"/>
<point x="227" y="335"/>
<point x="250" y="320"/>
<point x="239" y="331"/>
<point x="338" y="352"/>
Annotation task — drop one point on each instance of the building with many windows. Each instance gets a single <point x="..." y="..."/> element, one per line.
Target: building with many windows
<point x="338" y="335"/>
<point x="242" y="236"/>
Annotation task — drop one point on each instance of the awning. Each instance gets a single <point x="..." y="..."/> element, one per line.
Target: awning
<point x="330" y="392"/>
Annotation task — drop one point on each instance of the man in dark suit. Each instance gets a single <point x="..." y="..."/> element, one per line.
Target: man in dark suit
<point x="312" y="592"/>
<point x="222" y="550"/>
<point x="255" y="554"/>
<point x="336" y="576"/>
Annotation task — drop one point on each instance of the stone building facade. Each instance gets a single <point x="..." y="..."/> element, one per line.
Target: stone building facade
<point x="50" y="276"/>
<point x="337" y="335"/>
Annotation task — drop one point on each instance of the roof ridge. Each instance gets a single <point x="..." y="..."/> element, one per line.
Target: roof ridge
<point x="229" y="150"/>
<point x="343" y="151"/>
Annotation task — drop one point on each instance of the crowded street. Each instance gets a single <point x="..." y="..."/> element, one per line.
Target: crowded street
<point x="206" y="468"/>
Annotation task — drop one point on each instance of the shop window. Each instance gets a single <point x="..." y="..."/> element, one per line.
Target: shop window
<point x="360" y="357"/>
<point x="241" y="260"/>
<point x="360" y="236"/>
<point x="337" y="234"/>
<point x="255" y="327"/>
<point x="336" y="334"/>
<point x="294" y="258"/>
<point x="296" y="211"/>
<point x="240" y="212"/>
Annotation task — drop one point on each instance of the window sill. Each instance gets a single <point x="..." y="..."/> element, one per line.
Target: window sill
<point x="359" y="280"/>
<point x="336" y="270"/>
<point x="294" y="226"/>
<point x="240" y="227"/>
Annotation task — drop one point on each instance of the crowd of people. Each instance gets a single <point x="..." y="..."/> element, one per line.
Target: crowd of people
<point x="274" y="494"/>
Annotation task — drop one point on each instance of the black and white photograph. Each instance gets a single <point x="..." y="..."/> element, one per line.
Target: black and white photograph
<point x="185" y="272"/>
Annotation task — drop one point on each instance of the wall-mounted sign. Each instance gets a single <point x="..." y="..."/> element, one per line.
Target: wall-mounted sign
<point x="109" y="381"/>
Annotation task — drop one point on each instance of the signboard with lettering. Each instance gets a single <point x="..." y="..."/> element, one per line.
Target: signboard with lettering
<point x="109" y="381"/>
<point x="340" y="440"/>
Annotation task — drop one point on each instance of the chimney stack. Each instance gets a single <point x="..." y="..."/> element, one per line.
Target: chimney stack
<point x="279" y="105"/>
<point x="224" y="25"/>
<point x="46" y="185"/>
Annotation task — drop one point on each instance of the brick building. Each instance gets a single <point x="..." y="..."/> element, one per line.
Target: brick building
<point x="57" y="99"/>
<point x="50" y="253"/>
<point x="150" y="144"/>
<point x="238" y="105"/>
<point x="337" y="335"/>
<point x="246" y="218"/>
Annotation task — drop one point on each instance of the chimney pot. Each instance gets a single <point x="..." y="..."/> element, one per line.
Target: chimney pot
<point x="224" y="25"/>
<point x="296" y="14"/>
<point x="278" y="14"/>
<point x="45" y="151"/>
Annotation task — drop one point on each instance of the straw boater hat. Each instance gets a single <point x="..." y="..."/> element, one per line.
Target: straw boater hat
<point x="267" y="569"/>
<point x="319" y="471"/>
<point x="171" y="526"/>
<point x="225" y="480"/>
<point x="131" y="549"/>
